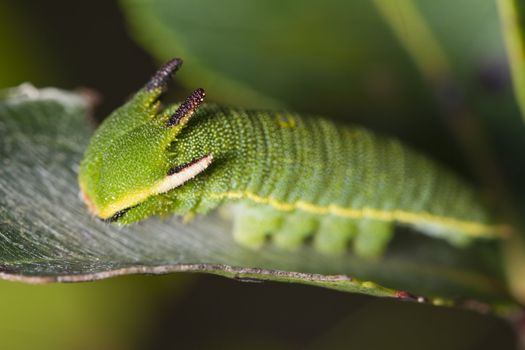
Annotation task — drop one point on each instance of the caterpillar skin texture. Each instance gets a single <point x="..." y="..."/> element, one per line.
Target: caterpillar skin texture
<point x="285" y="176"/>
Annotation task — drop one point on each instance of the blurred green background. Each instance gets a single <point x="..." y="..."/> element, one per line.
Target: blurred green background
<point x="87" y="44"/>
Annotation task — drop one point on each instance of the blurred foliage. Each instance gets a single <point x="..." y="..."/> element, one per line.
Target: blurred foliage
<point x="112" y="314"/>
<point x="512" y="13"/>
<point x="286" y="316"/>
<point x="308" y="53"/>
<point x="24" y="57"/>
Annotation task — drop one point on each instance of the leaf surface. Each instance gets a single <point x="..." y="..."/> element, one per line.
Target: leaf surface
<point x="47" y="235"/>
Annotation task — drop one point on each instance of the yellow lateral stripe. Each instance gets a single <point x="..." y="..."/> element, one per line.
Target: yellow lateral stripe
<point x="470" y="228"/>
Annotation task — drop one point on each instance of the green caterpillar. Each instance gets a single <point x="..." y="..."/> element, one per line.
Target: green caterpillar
<point x="285" y="176"/>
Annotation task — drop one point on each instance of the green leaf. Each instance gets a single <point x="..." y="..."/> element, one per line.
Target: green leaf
<point x="335" y="58"/>
<point x="332" y="58"/>
<point x="47" y="235"/>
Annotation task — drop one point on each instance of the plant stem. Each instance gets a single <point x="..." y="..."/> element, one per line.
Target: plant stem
<point x="432" y="62"/>
<point x="512" y="20"/>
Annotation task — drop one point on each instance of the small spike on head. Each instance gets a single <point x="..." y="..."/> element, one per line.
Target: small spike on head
<point x="162" y="76"/>
<point x="187" y="107"/>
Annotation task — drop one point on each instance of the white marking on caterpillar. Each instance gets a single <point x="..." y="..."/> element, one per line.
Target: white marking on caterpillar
<point x="178" y="176"/>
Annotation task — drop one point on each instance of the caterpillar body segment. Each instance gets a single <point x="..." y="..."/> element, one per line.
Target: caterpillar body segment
<point x="287" y="177"/>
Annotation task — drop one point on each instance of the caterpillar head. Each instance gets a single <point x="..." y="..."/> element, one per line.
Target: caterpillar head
<point x="128" y="162"/>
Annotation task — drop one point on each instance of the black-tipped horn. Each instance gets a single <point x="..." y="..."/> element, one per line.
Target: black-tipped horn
<point x="187" y="107"/>
<point x="162" y="76"/>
